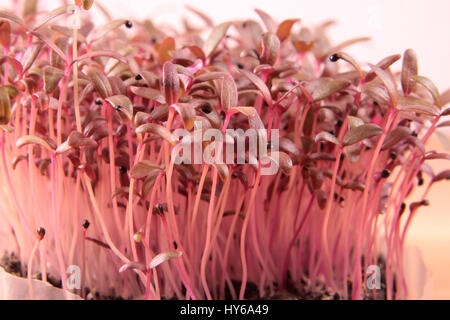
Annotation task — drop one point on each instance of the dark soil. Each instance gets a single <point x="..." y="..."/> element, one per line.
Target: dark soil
<point x="11" y="263"/>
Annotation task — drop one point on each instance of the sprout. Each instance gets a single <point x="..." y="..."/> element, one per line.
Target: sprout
<point x="90" y="132"/>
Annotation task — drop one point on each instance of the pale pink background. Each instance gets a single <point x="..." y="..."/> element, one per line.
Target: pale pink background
<point x="394" y="25"/>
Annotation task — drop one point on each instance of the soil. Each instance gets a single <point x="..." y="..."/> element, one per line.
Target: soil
<point x="11" y="263"/>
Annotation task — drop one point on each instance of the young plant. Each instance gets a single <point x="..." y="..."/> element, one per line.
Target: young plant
<point x="91" y="120"/>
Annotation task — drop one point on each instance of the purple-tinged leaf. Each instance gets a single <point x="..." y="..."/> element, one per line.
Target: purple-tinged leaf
<point x="354" y="185"/>
<point x="160" y="113"/>
<point x="252" y="115"/>
<point x="12" y="17"/>
<point x="444" y="175"/>
<point x="102" y="53"/>
<point x="416" y="205"/>
<point x="388" y="82"/>
<point x="157" y="130"/>
<point x="56" y="60"/>
<point x="446" y="112"/>
<point x="270" y="49"/>
<point x="67" y="32"/>
<point x="321" y="197"/>
<point x="70" y="9"/>
<point x="118" y="87"/>
<point x="163" y="257"/>
<point x="209" y="76"/>
<point x="443" y="124"/>
<point x="417" y="143"/>
<point x="327" y="87"/>
<point x="52" y="76"/>
<point x="354" y="122"/>
<point x="409" y="69"/>
<point x="197" y="52"/>
<point x="260" y="85"/>
<point x="17" y="66"/>
<point x="141" y="118"/>
<point x="77" y="140"/>
<point x="395" y="136"/>
<point x="216" y="36"/>
<point x="12" y="91"/>
<point x="31" y="55"/>
<point x="143" y="168"/>
<point x="45" y="142"/>
<point x="5" y="33"/>
<point x="132" y="266"/>
<point x="207" y="20"/>
<point x="431" y="87"/>
<point x="165" y="48"/>
<point x="5" y="106"/>
<point x="383" y="64"/>
<point x="438" y="156"/>
<point x="411" y="104"/>
<point x="326" y="136"/>
<point x="124" y="191"/>
<point x="360" y="133"/>
<point x="229" y="94"/>
<point x="321" y="156"/>
<point x="100" y="33"/>
<point x="50" y="44"/>
<point x="100" y="81"/>
<point x="346" y="57"/>
<point x="289" y="146"/>
<point x="280" y="159"/>
<point x="123" y="105"/>
<point x="170" y="83"/>
<point x="149" y="93"/>
<point x="187" y="113"/>
<point x="268" y="21"/>
<point x="376" y="92"/>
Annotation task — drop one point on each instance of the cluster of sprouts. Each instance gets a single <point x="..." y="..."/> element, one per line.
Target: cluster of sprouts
<point x="88" y="178"/>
